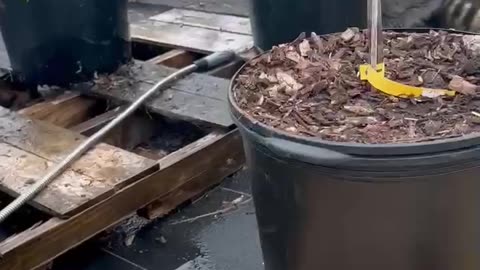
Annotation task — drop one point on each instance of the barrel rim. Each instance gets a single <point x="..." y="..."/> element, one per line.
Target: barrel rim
<point x="244" y="120"/>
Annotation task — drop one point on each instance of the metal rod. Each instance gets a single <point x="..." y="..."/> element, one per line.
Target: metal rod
<point x="88" y="143"/>
<point x="375" y="32"/>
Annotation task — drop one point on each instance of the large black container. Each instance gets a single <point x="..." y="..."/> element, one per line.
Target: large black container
<point x="280" y="21"/>
<point x="326" y="205"/>
<point x="63" y="41"/>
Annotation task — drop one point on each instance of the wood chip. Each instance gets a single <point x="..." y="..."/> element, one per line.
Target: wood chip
<point x="473" y="43"/>
<point x="291" y="85"/>
<point x="264" y="76"/>
<point x="273" y="91"/>
<point x="304" y="48"/>
<point x="461" y="85"/>
<point x="292" y="129"/>
<point x="294" y="56"/>
<point x="349" y="34"/>
<point x="317" y="41"/>
<point x="359" y="110"/>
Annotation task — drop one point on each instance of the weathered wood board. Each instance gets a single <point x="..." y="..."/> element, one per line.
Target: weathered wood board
<point x="65" y="111"/>
<point x="218" y="22"/>
<point x="196" y="39"/>
<point x="189" y="190"/>
<point x="30" y="147"/>
<point x="20" y="169"/>
<point x="174" y="59"/>
<point x="196" y="98"/>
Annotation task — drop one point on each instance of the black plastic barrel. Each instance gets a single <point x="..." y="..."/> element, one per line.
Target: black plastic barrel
<point x="63" y="41"/>
<point x="280" y="21"/>
<point x="345" y="206"/>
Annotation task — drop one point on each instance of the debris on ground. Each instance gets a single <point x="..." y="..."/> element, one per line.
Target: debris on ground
<point x="462" y="86"/>
<point x="311" y="88"/>
<point x="127" y="230"/>
<point x="161" y="240"/>
<point x="227" y="207"/>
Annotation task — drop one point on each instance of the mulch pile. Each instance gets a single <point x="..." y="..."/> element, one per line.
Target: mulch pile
<point x="311" y="87"/>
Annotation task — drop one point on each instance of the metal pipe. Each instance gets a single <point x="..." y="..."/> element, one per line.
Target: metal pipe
<point x="208" y="62"/>
<point x="375" y="28"/>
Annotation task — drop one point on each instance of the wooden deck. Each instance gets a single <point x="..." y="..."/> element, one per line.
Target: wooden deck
<point x="28" y="148"/>
<point x="42" y="243"/>
<point x="123" y="175"/>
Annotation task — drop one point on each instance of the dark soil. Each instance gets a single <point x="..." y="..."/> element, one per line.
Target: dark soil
<point x="310" y="87"/>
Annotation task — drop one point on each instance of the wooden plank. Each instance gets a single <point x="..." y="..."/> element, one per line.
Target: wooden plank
<point x="195" y="84"/>
<point x="48" y="266"/>
<point x="104" y="164"/>
<point x="21" y="169"/>
<point x="233" y="7"/>
<point x="64" y="111"/>
<point x="49" y="240"/>
<point x="189" y="38"/>
<point x="148" y="153"/>
<point x="218" y="22"/>
<point x="174" y="59"/>
<point x="193" y="188"/>
<point x="89" y="127"/>
<point x="175" y="104"/>
<point x="197" y="98"/>
<point x="133" y="131"/>
<point x="55" y="143"/>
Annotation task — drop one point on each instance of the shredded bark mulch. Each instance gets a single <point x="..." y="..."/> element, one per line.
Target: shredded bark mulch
<point x="311" y="88"/>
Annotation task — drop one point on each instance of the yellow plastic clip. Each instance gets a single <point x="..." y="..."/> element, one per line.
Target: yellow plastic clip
<point x="376" y="78"/>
